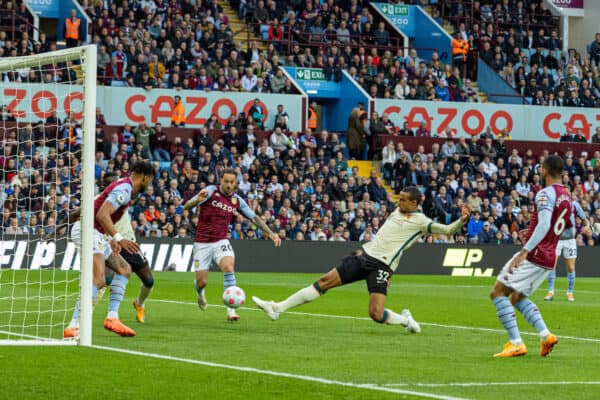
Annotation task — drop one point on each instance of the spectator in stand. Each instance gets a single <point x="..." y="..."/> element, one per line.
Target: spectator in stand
<point x="423" y="131"/>
<point x="596" y="137"/>
<point x="178" y="113"/>
<point x="486" y="235"/>
<point x="256" y="114"/>
<point x="159" y="144"/>
<point x="142" y="138"/>
<point x="568" y="136"/>
<point x="356" y="134"/>
<point x="279" y="141"/>
<point x="156" y="69"/>
<point x="381" y="35"/>
<point x="460" y="49"/>
<point x="594" y="50"/>
<point x="72" y="30"/>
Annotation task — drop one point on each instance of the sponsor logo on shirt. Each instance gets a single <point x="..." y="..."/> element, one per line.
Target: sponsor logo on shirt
<point x="222" y="206"/>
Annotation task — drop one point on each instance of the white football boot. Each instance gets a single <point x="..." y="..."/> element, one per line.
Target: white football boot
<point x="267" y="307"/>
<point x="412" y="325"/>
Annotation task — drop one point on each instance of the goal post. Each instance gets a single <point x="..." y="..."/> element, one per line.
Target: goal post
<point x="44" y="162"/>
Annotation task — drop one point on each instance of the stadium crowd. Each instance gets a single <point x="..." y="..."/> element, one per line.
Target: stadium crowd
<point x="299" y="182"/>
<point x="521" y="41"/>
<point x="183" y="45"/>
<point x="300" y="185"/>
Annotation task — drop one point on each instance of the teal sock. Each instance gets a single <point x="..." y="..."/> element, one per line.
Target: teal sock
<point x="117" y="292"/>
<point x="508" y="319"/>
<point x="532" y="314"/>
<point x="551" y="279"/>
<point x="318" y="288"/>
<point x="228" y="280"/>
<point x="570" y="282"/>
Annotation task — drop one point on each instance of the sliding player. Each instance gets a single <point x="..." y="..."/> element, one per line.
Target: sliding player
<point x="527" y="269"/>
<point x="375" y="262"/>
<point x="218" y="205"/>
<point x="109" y="207"/>
<point x="567" y="247"/>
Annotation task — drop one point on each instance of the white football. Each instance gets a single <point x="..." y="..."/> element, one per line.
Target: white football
<point x="234" y="297"/>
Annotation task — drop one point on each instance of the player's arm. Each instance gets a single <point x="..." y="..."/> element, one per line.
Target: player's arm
<point x="120" y="196"/>
<point x="248" y="213"/>
<point x="441" y="229"/>
<point x="199" y="198"/>
<point x="545" y="206"/>
<point x="580" y="213"/>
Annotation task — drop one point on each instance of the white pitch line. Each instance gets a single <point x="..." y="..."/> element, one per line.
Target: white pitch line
<point x="34" y="340"/>
<point x="477" y="384"/>
<point x="333" y="316"/>
<point x="279" y="374"/>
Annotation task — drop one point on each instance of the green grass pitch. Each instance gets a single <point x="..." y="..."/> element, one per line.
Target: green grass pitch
<point x="314" y="353"/>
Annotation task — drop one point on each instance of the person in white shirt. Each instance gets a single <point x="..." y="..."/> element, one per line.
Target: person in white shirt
<point x="375" y="262"/>
<point x="248" y="158"/>
<point x="278" y="140"/>
<point x="249" y="80"/>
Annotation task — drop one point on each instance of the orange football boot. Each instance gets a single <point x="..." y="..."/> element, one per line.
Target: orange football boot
<point x="115" y="325"/>
<point x="512" y="350"/>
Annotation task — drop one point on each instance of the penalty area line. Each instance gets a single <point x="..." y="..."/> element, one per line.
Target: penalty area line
<point x="333" y="316"/>
<point x="278" y="374"/>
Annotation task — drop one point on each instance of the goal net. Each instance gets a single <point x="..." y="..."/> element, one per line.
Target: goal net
<point x="47" y="133"/>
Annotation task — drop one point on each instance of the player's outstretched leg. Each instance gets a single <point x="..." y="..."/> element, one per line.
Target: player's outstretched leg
<point x="551" y="279"/>
<point x="508" y="319"/>
<point x="532" y="314"/>
<point x="302" y="296"/>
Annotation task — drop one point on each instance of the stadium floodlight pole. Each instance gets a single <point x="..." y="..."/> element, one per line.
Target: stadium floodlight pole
<point x="87" y="194"/>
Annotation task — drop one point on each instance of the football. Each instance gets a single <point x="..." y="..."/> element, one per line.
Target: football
<point x="234" y="297"/>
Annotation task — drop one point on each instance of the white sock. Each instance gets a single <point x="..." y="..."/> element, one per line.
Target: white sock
<point x="144" y="293"/>
<point x="544" y="334"/>
<point x="112" y="314"/>
<point x="74" y="324"/>
<point x="394" y="318"/>
<point x="302" y="296"/>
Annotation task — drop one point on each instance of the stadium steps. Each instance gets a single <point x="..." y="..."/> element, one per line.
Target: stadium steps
<point x="239" y="27"/>
<point x="450" y="29"/>
<point x="364" y="171"/>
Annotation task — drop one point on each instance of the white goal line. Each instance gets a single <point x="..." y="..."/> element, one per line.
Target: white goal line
<point x="333" y="316"/>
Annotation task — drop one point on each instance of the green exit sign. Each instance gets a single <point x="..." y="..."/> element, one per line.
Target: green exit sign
<point x="310" y="74"/>
<point x="391" y="9"/>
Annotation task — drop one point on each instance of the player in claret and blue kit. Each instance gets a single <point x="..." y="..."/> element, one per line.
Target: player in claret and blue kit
<point x="527" y="269"/>
<point x="218" y="206"/>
